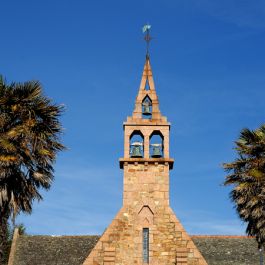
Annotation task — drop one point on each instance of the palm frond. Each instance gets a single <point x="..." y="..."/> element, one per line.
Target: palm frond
<point x="247" y="175"/>
<point x="30" y="133"/>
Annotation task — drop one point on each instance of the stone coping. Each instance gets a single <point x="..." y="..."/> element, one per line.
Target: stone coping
<point x="141" y="122"/>
<point x="146" y="161"/>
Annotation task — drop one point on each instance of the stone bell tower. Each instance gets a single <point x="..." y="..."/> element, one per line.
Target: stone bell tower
<point x="146" y="230"/>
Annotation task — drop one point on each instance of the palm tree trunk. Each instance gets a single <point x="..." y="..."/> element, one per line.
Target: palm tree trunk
<point x="3" y="238"/>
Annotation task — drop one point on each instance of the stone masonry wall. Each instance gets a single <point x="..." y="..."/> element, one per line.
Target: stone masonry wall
<point x="146" y="184"/>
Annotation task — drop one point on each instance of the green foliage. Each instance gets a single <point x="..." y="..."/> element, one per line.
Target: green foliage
<point x="11" y="229"/>
<point x="247" y="175"/>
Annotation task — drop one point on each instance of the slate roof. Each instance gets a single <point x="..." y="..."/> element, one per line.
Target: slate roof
<point x="72" y="250"/>
<point x="50" y="250"/>
<point x="228" y="250"/>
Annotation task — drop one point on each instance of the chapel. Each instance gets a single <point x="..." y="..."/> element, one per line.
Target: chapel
<point x="145" y="230"/>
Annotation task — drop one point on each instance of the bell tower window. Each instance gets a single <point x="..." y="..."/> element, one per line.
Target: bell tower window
<point x="136" y="145"/>
<point x="156" y="144"/>
<point x="147" y="108"/>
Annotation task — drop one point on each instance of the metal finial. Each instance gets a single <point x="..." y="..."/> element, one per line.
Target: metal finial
<point x="147" y="37"/>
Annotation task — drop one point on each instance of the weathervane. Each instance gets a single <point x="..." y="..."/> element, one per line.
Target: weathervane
<point x="147" y="37"/>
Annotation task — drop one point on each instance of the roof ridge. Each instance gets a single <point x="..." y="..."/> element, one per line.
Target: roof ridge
<point x="60" y="235"/>
<point x="221" y="236"/>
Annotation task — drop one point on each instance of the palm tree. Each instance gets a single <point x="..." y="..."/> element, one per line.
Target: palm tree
<point x="247" y="175"/>
<point x="29" y="141"/>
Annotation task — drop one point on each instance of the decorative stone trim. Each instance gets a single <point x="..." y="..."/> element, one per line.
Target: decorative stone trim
<point x="145" y="161"/>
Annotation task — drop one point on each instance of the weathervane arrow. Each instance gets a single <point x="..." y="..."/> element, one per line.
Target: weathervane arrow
<point x="146" y="28"/>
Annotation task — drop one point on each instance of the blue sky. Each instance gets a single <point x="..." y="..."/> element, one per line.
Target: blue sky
<point x="208" y="63"/>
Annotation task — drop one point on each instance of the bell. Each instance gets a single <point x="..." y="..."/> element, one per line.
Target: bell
<point x="136" y="149"/>
<point x="146" y="110"/>
<point x="157" y="152"/>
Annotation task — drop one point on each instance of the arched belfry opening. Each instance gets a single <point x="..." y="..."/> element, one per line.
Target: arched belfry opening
<point x="156" y="140"/>
<point x="136" y="144"/>
<point x="147" y="108"/>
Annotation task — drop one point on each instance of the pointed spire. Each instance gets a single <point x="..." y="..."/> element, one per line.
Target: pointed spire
<point x="147" y="89"/>
<point x="146" y="104"/>
<point x="147" y="82"/>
